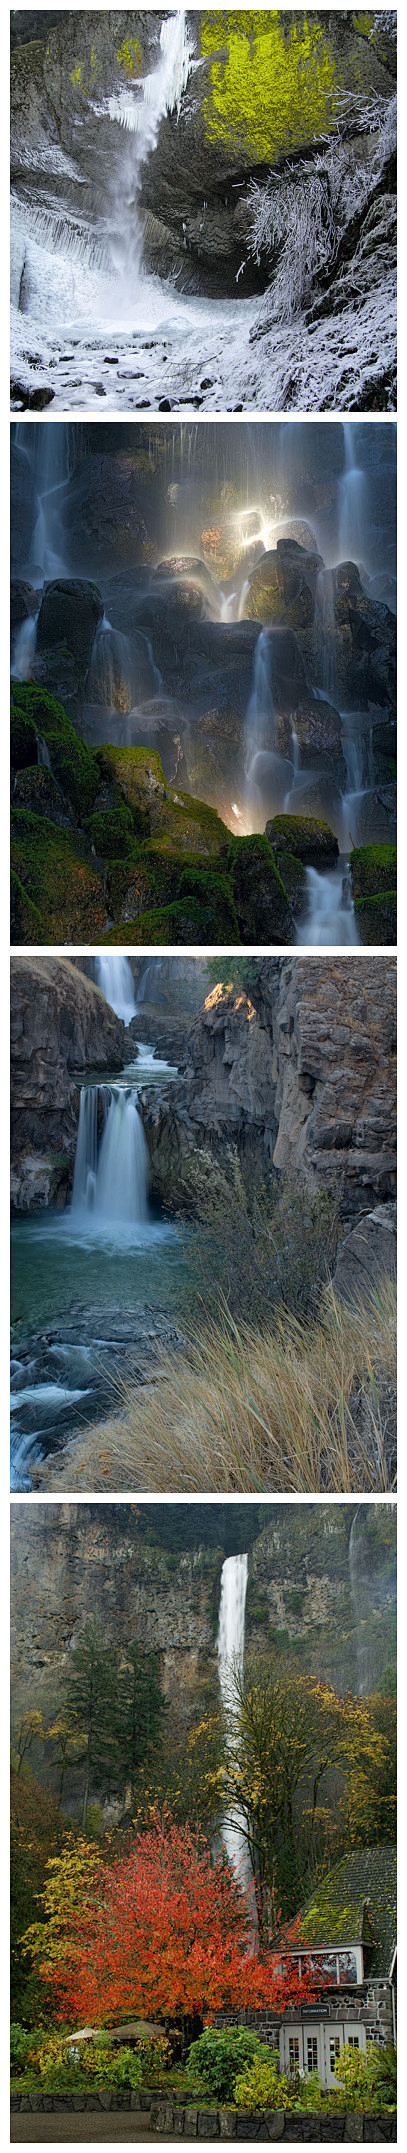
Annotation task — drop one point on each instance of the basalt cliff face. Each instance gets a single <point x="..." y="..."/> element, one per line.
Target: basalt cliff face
<point x="299" y="1071"/>
<point x="316" y="1580"/>
<point x="61" y="1026"/>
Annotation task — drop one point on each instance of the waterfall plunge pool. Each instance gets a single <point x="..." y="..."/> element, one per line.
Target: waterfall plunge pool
<point x="94" y="1287"/>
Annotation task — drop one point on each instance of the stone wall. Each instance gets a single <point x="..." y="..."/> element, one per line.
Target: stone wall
<point x="184" y="2121"/>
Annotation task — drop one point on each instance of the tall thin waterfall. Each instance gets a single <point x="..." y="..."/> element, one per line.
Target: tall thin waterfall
<point x="110" y="1183"/>
<point x="231" y="1660"/>
<point x="114" y="975"/>
<point x="353" y="531"/>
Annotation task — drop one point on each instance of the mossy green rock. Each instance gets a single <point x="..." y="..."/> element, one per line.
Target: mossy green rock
<point x="37" y="789"/>
<point x="35" y="714"/>
<point x="187" y="825"/>
<point x="277" y="80"/>
<point x="259" y="892"/>
<point x="373" y="869"/>
<point x="377" y="918"/>
<point x="165" y="925"/>
<point x="111" y="831"/>
<point x="58" y="878"/>
<point x="310" y="839"/>
<point x="139" y="774"/>
<point x="25" y="918"/>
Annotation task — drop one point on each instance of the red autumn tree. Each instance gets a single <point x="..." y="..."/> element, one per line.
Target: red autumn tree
<point x="161" y="1929"/>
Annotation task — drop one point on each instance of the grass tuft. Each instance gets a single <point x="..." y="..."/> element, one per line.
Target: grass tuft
<point x="299" y="1407"/>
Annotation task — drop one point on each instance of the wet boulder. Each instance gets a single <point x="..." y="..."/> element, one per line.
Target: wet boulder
<point x="260" y="896"/>
<point x="365" y="643"/>
<point x="309" y="838"/>
<point x="282" y="587"/>
<point x="377" y="815"/>
<point x="69" y="614"/>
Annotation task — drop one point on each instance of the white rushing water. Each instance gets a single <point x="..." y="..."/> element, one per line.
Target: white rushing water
<point x="110" y="1179"/>
<point x="330" y="916"/>
<point x="114" y="975"/>
<point x="231" y="1635"/>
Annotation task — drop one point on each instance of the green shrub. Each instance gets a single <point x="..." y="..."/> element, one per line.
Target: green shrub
<point x="219" y="2054"/>
<point x="368" y="2081"/>
<point x="264" y="1248"/>
<point x="262" y="2086"/>
<point x="20" y="2045"/>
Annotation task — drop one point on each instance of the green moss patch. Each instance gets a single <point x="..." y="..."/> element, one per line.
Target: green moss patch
<point x="25" y="918"/>
<point x="377" y="918"/>
<point x="259" y="892"/>
<point x="373" y="869"/>
<point x="306" y="836"/>
<point x="35" y="713"/>
<point x="58" y="879"/>
<point x="164" y="924"/>
<point x="139" y="774"/>
<point x="111" y="831"/>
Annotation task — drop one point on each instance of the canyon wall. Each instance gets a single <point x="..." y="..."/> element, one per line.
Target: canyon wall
<point x="320" y="1579"/>
<point x="299" y="1071"/>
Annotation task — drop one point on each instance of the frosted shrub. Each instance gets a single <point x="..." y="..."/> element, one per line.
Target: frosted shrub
<point x="304" y="215"/>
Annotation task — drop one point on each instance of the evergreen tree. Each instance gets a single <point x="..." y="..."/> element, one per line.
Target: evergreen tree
<point x="140" y="1708"/>
<point x="91" y="1705"/>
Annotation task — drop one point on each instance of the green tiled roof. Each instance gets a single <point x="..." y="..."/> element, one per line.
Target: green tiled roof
<point x="335" y="1915"/>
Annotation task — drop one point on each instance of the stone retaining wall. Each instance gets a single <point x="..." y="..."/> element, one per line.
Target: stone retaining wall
<point x="188" y="2122"/>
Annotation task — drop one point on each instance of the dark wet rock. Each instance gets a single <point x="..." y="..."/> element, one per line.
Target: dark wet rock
<point x="377" y="816"/>
<point x="69" y="615"/>
<point x="23" y="602"/>
<point x="283" y="587"/>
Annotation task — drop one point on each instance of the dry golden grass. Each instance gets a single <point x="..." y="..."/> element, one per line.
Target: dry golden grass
<point x="299" y="1409"/>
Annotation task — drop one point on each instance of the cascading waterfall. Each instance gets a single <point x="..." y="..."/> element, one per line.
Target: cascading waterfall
<point x="268" y="774"/>
<point x="352" y="503"/>
<point x="325" y="615"/>
<point x="330" y="916"/>
<point x="231" y="1634"/>
<point x="24" y="648"/>
<point x="110" y="1184"/>
<point x="114" y="975"/>
<point x="149" y="976"/>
